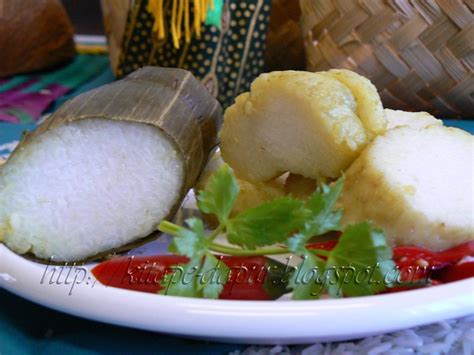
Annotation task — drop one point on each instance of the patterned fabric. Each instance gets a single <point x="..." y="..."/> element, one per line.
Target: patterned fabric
<point x="24" y="98"/>
<point x="226" y="59"/>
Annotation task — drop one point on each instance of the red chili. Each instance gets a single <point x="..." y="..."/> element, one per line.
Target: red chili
<point x="138" y="273"/>
<point x="456" y="272"/>
<point x="250" y="278"/>
<point x="457" y="253"/>
<point x="260" y="278"/>
<point x="416" y="263"/>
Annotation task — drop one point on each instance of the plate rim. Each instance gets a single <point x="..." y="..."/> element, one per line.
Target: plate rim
<point x="343" y="319"/>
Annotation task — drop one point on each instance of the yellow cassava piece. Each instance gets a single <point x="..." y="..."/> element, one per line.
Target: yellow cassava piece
<point x="416" y="184"/>
<point x="369" y="105"/>
<point x="416" y="120"/>
<point x="299" y="122"/>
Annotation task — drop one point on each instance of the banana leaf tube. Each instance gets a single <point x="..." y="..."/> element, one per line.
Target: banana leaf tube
<point x="102" y="171"/>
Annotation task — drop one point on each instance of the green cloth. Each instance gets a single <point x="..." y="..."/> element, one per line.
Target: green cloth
<point x="104" y="77"/>
<point x="82" y="69"/>
<point x="26" y="328"/>
<point x="25" y="98"/>
<point x="214" y="16"/>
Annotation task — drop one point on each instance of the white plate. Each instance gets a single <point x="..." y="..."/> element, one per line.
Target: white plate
<point x="258" y="322"/>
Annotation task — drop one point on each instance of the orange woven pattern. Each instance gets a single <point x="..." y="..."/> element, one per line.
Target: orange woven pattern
<point x="419" y="53"/>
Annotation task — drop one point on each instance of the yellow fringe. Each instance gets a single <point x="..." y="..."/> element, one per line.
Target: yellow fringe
<point x="187" y="30"/>
<point x="174" y="32"/>
<point x="91" y="48"/>
<point x="179" y="22"/>
<point x="179" y="12"/>
<point x="197" y="18"/>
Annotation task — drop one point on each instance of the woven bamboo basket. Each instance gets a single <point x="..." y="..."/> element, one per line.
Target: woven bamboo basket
<point x="285" y="48"/>
<point x="419" y="53"/>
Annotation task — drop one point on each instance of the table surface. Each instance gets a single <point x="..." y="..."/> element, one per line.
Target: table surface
<point x="26" y="328"/>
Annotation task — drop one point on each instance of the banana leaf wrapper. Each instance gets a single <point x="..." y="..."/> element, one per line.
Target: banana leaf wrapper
<point x="172" y="100"/>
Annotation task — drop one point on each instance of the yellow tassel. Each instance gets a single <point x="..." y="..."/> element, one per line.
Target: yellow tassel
<point x="174" y="24"/>
<point x="197" y="18"/>
<point x="187" y="30"/>
<point x="180" y="10"/>
<point x="180" y="19"/>
<point x="155" y="7"/>
<point x="204" y="10"/>
<point x="90" y="49"/>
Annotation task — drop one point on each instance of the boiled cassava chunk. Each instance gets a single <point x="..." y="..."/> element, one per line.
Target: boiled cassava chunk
<point x="417" y="184"/>
<point x="310" y="124"/>
<point x="417" y="120"/>
<point x="369" y="106"/>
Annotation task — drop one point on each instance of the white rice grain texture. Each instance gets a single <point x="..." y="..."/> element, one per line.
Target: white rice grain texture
<point x="87" y="187"/>
<point x="453" y="337"/>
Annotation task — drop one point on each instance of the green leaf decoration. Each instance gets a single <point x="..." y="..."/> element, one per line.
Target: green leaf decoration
<point x="213" y="276"/>
<point x="362" y="260"/>
<point x="322" y="204"/>
<point x="190" y="241"/>
<point x="307" y="281"/>
<point x="220" y="194"/>
<point x="183" y="281"/>
<point x="322" y="217"/>
<point x="296" y="244"/>
<point x="267" y="224"/>
<point x="360" y="264"/>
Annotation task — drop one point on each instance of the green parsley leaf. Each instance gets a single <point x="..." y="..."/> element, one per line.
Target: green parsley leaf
<point x="182" y="280"/>
<point x="296" y="244"/>
<point x="220" y="194"/>
<point x="357" y="266"/>
<point x="322" y="204"/>
<point x="307" y="281"/>
<point x="361" y="260"/>
<point x="322" y="218"/>
<point x="200" y="277"/>
<point x="190" y="241"/>
<point x="204" y="275"/>
<point x="267" y="224"/>
<point x="212" y="276"/>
